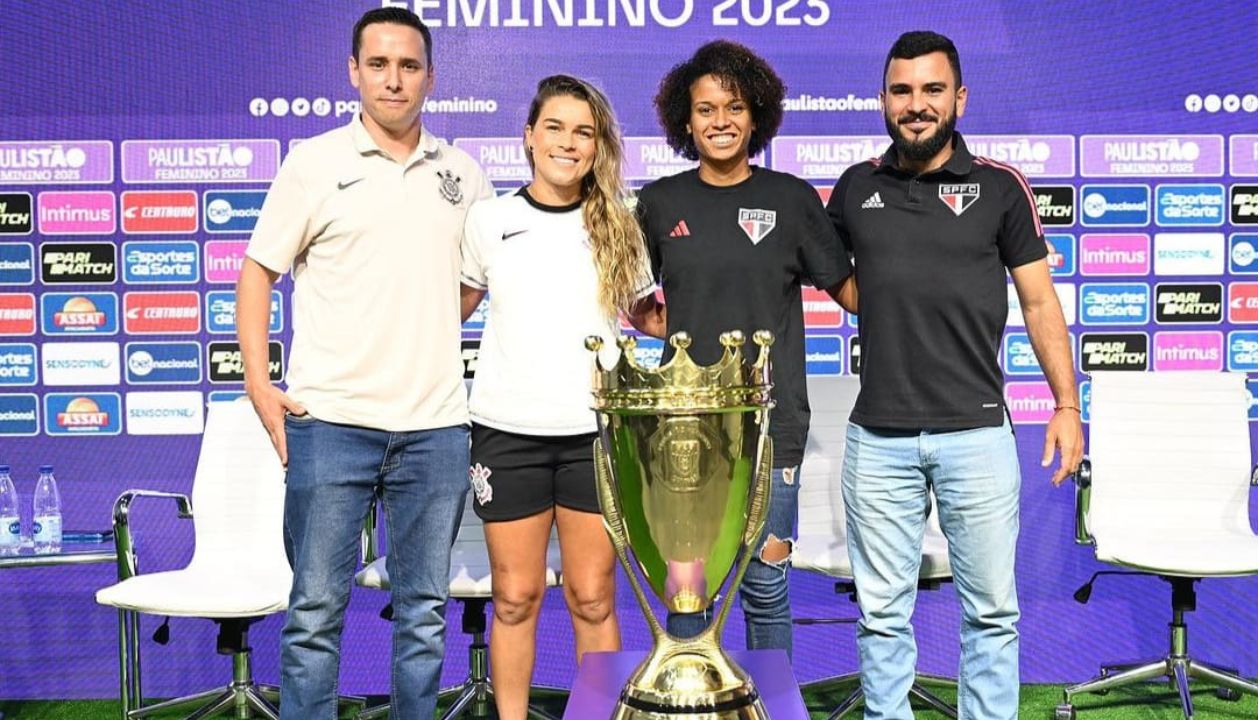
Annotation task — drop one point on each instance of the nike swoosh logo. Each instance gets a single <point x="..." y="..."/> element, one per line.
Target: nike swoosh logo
<point x="513" y="234"/>
<point x="347" y="183"/>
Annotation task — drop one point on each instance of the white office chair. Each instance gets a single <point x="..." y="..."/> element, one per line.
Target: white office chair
<point x="1165" y="492"/>
<point x="238" y="573"/>
<point x="470" y="585"/>
<point x="821" y="538"/>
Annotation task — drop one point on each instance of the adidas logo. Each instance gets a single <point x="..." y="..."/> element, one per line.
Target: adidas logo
<point x="680" y="230"/>
<point x="874" y="201"/>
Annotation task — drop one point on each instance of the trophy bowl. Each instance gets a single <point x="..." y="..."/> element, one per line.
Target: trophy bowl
<point x="682" y="464"/>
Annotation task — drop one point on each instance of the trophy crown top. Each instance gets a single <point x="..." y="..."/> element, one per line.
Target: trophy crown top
<point x="681" y="384"/>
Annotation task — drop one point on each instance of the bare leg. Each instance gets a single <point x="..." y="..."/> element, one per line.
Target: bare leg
<point x="518" y="571"/>
<point x="587" y="557"/>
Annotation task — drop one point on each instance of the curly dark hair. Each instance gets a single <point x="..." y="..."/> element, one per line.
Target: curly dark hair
<point x="742" y="72"/>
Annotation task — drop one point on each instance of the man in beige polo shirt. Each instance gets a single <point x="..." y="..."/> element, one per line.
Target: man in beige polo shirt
<point x="369" y="218"/>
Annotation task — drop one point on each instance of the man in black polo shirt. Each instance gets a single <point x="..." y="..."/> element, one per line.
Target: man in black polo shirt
<point x="933" y="231"/>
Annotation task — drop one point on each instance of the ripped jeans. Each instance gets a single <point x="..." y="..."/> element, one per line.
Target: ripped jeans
<point x="763" y="594"/>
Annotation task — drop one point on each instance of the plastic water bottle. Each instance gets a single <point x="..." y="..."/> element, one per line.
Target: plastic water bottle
<point x="46" y="520"/>
<point x="10" y="517"/>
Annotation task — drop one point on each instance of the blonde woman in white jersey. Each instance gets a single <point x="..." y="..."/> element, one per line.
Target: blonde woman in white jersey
<point x="560" y="258"/>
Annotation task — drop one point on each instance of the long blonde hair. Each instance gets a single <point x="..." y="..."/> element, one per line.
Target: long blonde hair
<point x="616" y="240"/>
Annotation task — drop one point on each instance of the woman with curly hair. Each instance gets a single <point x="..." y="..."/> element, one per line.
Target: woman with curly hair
<point x="560" y="258"/>
<point x="731" y="244"/>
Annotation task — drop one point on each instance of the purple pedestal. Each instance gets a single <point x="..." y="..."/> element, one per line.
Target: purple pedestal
<point x="601" y="676"/>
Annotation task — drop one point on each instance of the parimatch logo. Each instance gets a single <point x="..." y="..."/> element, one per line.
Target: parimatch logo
<point x="471" y="350"/>
<point x="1189" y="303"/>
<point x="1056" y="204"/>
<point x="1114" y="351"/>
<point x="225" y="365"/>
<point x="15" y="214"/>
<point x="78" y="263"/>
<point x="1244" y="205"/>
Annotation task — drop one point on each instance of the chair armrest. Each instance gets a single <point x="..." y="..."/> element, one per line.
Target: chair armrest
<point x="369" y="541"/>
<point x="123" y="542"/>
<point x="1083" y="479"/>
<point x="1254" y="470"/>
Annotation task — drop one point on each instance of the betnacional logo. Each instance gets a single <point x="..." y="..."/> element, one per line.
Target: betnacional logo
<point x="80" y="363"/>
<point x="1032" y="155"/>
<point x="1180" y="205"/>
<point x="502" y="158"/>
<point x="161" y="262"/>
<point x="824" y="355"/>
<point x="1115" y="205"/>
<point x="1242" y="254"/>
<point x="145" y="212"/>
<point x="1029" y="402"/>
<point x="165" y="413"/>
<point x="1056" y="204"/>
<point x="820" y="310"/>
<point x="470" y="351"/>
<point x="166" y="363"/>
<point x="18" y="364"/>
<point x="64" y="313"/>
<point x="1243" y="348"/>
<point x="157" y="313"/>
<point x="83" y="413"/>
<point x="77" y="213"/>
<point x="225" y="365"/>
<point x="17" y="314"/>
<point x="224" y="259"/>
<point x="200" y="161"/>
<point x="1114" y="351"/>
<point x="1061" y="253"/>
<point x="1115" y="303"/>
<point x="1242" y="303"/>
<point x="823" y="157"/>
<point x="1189" y="303"/>
<point x="1152" y="156"/>
<point x="56" y="162"/>
<point x="236" y="211"/>
<point x="221" y="312"/>
<point x="1189" y="254"/>
<point x="17" y="263"/>
<point x="85" y="263"/>
<point x="1244" y="204"/>
<point x="1198" y="350"/>
<point x="15" y="214"/>
<point x="958" y="196"/>
<point x="1112" y="255"/>
<point x="19" y="415"/>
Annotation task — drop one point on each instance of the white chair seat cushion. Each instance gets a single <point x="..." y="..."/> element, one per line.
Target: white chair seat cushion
<point x="1232" y="553"/>
<point x="829" y="555"/>
<point x="189" y="593"/>
<point x="470" y="573"/>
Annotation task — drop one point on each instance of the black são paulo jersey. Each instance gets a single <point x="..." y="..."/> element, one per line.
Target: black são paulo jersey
<point x="734" y="258"/>
<point x="931" y="253"/>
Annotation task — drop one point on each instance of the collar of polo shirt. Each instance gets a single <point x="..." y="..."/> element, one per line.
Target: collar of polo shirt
<point x="363" y="142"/>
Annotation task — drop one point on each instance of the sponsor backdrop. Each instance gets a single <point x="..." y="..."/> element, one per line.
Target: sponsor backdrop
<point x="127" y="196"/>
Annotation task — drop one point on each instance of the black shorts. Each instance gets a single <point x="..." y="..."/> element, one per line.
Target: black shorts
<point x="514" y="476"/>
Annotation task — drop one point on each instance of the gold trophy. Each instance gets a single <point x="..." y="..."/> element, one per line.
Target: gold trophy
<point x="683" y="467"/>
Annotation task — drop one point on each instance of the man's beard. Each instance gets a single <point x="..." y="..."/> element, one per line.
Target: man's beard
<point x="921" y="150"/>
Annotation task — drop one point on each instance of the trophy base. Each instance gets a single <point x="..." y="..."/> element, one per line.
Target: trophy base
<point x="689" y="680"/>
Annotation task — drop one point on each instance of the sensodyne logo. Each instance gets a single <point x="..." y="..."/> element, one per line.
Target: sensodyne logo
<point x="80" y="363"/>
<point x="1189" y="205"/>
<point x="15" y="214"/>
<point x="78" y="263"/>
<point x="1056" y="204"/>
<point x="1189" y="303"/>
<point x="1112" y="205"/>
<point x="17" y="364"/>
<point x="1244" y="205"/>
<point x="163" y="363"/>
<point x="165" y="413"/>
<point x="159" y="262"/>
<point x="233" y="211"/>
<point x="1114" y="351"/>
<point x="1189" y="253"/>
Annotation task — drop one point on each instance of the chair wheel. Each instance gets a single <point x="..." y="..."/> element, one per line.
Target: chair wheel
<point x="1065" y="712"/>
<point x="1228" y="694"/>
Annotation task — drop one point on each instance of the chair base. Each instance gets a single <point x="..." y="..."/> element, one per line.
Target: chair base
<point x="1177" y="670"/>
<point x="244" y="700"/>
<point x="917" y="692"/>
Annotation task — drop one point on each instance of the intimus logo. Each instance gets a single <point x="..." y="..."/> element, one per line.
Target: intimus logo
<point x="226" y="364"/>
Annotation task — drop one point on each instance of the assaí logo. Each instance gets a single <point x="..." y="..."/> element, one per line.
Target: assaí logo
<point x="83" y="413"/>
<point x="79" y="313"/>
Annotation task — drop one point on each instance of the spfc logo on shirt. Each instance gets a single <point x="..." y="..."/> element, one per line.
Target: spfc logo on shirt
<point x="959" y="197"/>
<point x="756" y="224"/>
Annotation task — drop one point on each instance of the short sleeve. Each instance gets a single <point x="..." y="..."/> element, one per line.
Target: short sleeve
<point x="283" y="227"/>
<point x="835" y="211"/>
<point x="1021" y="240"/>
<point x="472" y="271"/>
<point x="824" y="261"/>
<point x="643" y="210"/>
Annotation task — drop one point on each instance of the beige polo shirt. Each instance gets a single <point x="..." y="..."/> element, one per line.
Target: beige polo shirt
<point x="374" y="250"/>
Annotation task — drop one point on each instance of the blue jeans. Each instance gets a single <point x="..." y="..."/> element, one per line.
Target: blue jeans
<point x="975" y="477"/>
<point x="763" y="594"/>
<point x="333" y="472"/>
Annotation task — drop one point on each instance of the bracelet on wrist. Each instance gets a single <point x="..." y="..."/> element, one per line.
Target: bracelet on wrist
<point x="1057" y="408"/>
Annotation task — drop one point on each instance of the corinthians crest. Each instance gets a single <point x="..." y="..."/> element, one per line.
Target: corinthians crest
<point x="449" y="187"/>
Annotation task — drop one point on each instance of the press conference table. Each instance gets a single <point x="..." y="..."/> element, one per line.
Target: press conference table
<point x="77" y="548"/>
<point x="599" y="680"/>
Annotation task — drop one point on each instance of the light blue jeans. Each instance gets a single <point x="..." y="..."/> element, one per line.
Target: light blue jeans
<point x="975" y="476"/>
<point x="763" y="594"/>
<point x="333" y="472"/>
